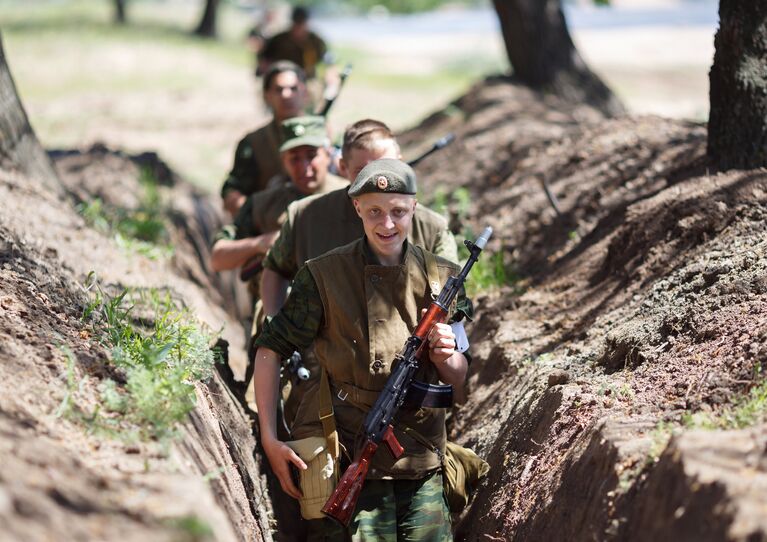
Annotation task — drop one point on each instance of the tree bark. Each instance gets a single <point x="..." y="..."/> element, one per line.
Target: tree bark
<point x="120" y="12"/>
<point x="19" y="147"/>
<point x="543" y="56"/>
<point x="207" y="26"/>
<point x="737" y="126"/>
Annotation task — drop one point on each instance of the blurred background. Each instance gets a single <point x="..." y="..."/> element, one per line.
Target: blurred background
<point x="152" y="83"/>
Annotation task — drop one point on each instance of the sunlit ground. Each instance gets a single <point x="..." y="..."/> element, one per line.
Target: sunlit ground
<point x="152" y="86"/>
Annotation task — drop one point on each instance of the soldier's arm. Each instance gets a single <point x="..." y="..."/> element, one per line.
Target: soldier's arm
<point x="232" y="253"/>
<point x="293" y="328"/>
<point x="274" y="290"/>
<point x="236" y="187"/>
<point x="267" y="384"/>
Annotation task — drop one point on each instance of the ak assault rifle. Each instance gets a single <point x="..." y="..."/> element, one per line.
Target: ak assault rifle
<point x="329" y="100"/>
<point x="441" y="143"/>
<point x="341" y="504"/>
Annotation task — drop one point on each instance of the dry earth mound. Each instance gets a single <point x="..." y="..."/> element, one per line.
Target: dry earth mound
<point x="60" y="477"/>
<point x="618" y="389"/>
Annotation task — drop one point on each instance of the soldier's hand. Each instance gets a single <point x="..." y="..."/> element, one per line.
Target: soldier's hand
<point x="441" y="343"/>
<point x="280" y="457"/>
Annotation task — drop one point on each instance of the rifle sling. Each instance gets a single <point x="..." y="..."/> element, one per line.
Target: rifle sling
<point x="326" y="417"/>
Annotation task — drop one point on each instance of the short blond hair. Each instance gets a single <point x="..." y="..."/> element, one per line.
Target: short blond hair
<point x="365" y="134"/>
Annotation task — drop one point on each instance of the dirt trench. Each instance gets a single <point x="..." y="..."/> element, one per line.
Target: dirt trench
<point x="640" y="308"/>
<point x="59" y="478"/>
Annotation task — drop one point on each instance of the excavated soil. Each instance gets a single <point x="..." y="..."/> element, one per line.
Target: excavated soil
<point x="58" y="478"/>
<point x="643" y="301"/>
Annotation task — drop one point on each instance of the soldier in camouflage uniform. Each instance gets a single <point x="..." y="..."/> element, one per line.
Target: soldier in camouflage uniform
<point x="358" y="304"/>
<point x="305" y="156"/>
<point x="257" y="158"/>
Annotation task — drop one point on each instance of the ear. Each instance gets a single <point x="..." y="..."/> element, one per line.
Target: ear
<point x="357" y="207"/>
<point x="343" y="169"/>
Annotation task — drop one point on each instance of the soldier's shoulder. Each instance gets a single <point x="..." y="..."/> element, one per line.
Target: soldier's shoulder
<point x="344" y="252"/>
<point x="427" y="216"/>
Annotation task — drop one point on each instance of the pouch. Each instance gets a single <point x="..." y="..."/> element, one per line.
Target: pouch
<point x="461" y="471"/>
<point x="319" y="480"/>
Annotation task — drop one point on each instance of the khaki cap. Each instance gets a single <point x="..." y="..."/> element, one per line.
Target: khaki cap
<point x="308" y="130"/>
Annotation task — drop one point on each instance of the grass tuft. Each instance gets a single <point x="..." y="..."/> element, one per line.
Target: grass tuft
<point x="161" y="352"/>
<point x="140" y="230"/>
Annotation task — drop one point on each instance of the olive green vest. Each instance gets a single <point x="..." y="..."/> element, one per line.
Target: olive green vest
<point x="269" y="206"/>
<point x="369" y="312"/>
<point x="320" y="224"/>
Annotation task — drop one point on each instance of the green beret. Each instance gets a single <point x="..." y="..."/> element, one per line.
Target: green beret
<point x="384" y="175"/>
<point x="308" y="130"/>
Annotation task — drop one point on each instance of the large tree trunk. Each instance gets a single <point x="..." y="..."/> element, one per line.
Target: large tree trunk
<point x="120" y="12"/>
<point x="543" y="56"/>
<point x="737" y="126"/>
<point x="207" y="26"/>
<point x="19" y="147"/>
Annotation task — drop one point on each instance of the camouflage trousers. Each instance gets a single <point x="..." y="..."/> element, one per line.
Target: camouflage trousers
<point x="393" y="511"/>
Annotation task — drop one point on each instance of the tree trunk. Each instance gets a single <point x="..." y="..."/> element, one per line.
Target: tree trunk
<point x="737" y="126"/>
<point x="120" y="12"/>
<point x="207" y="26"/>
<point x="19" y="147"/>
<point x="543" y="56"/>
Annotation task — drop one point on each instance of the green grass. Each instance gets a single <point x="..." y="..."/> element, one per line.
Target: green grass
<point x="746" y="411"/>
<point x="160" y="350"/>
<point x="141" y="230"/>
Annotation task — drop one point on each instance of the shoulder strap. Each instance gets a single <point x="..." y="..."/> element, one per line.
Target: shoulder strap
<point x="327" y="418"/>
<point x="432" y="273"/>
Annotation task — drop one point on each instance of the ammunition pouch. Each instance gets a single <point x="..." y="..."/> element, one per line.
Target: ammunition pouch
<point x="319" y="480"/>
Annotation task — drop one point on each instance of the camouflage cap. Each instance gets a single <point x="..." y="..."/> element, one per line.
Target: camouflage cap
<point x="384" y="175"/>
<point x="299" y="131"/>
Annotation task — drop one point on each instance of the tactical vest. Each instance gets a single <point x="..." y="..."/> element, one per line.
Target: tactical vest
<point x="369" y="312"/>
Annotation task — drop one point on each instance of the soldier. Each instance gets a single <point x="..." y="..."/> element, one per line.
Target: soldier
<point x="318" y="224"/>
<point x="305" y="156"/>
<point x="257" y="158"/>
<point x="297" y="44"/>
<point x="357" y="304"/>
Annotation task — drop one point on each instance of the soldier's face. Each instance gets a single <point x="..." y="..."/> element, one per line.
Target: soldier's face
<point x="386" y="219"/>
<point x="350" y="166"/>
<point x="286" y="95"/>
<point x="307" y="167"/>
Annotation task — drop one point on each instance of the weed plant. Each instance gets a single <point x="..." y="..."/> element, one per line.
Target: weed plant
<point x="748" y="410"/>
<point x="490" y="272"/>
<point x="140" y="230"/>
<point x="161" y="352"/>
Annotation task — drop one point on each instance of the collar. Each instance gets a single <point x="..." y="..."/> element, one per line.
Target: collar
<point x="369" y="257"/>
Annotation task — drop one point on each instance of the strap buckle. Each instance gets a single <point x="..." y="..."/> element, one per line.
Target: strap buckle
<point x="342" y="394"/>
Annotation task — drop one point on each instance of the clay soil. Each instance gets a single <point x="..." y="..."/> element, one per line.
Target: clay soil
<point x="641" y="305"/>
<point x="637" y="307"/>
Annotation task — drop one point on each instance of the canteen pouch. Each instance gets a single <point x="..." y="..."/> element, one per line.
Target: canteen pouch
<point x="319" y="480"/>
<point x="461" y="471"/>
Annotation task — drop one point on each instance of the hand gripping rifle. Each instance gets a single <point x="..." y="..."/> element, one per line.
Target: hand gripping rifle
<point x="341" y="504"/>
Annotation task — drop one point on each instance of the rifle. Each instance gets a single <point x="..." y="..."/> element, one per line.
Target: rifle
<point x="341" y="504"/>
<point x="329" y="100"/>
<point x="441" y="143"/>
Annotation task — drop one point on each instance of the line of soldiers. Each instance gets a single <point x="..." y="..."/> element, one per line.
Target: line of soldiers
<point x="343" y="266"/>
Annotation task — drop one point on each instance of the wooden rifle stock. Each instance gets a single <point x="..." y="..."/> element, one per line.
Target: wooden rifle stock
<point x="342" y="503"/>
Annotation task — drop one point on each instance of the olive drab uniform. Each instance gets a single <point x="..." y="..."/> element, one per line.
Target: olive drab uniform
<point x="357" y="325"/>
<point x="256" y="161"/>
<point x="318" y="224"/>
<point x="306" y="54"/>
